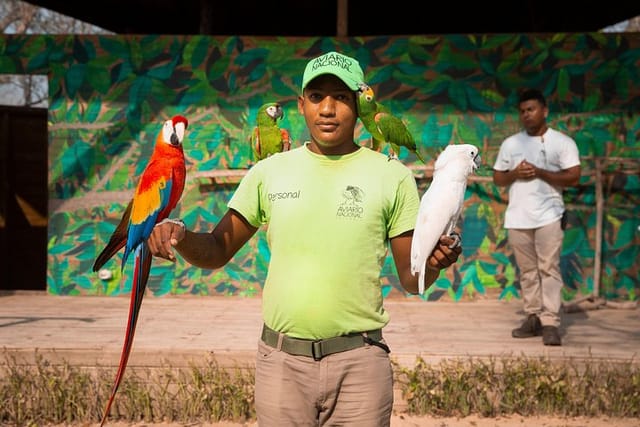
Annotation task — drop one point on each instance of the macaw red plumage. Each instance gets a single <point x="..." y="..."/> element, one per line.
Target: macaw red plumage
<point x="159" y="190"/>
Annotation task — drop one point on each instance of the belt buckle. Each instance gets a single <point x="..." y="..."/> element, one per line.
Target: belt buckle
<point x="316" y="350"/>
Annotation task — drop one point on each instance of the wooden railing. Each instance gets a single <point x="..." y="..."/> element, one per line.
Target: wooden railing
<point x="596" y="168"/>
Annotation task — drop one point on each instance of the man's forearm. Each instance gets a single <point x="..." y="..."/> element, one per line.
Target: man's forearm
<point x="504" y="178"/>
<point x="563" y="178"/>
<point x="430" y="276"/>
<point x="200" y="249"/>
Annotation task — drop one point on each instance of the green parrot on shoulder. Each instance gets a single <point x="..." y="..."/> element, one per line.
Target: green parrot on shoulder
<point x="267" y="137"/>
<point x="383" y="125"/>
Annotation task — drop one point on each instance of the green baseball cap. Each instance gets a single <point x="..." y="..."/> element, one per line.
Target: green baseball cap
<point x="344" y="67"/>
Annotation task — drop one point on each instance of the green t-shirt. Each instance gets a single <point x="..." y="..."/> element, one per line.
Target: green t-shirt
<point x="329" y="221"/>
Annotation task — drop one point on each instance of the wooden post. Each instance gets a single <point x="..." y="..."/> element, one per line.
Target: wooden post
<point x="206" y="14"/>
<point x="342" y="23"/>
<point x="597" y="262"/>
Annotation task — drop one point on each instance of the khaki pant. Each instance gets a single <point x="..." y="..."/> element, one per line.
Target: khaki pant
<point x="537" y="252"/>
<point x="351" y="388"/>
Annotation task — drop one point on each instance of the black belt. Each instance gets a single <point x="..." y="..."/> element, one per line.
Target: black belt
<point x="320" y="348"/>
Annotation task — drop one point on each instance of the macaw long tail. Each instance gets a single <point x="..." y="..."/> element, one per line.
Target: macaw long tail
<point x="140" y="276"/>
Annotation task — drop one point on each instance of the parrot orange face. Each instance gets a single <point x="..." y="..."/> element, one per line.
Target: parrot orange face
<point x="158" y="191"/>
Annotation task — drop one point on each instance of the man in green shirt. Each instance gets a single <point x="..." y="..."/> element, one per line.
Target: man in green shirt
<point x="333" y="208"/>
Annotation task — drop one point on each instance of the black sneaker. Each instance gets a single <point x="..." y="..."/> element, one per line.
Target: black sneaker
<point x="551" y="336"/>
<point x="530" y="328"/>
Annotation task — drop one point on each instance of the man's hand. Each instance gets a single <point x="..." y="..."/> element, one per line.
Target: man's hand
<point x="443" y="255"/>
<point x="165" y="235"/>
<point x="526" y="171"/>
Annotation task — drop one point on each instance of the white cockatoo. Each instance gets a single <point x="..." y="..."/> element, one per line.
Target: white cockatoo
<point x="441" y="205"/>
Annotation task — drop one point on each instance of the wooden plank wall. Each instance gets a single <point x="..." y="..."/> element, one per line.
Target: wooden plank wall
<point x="23" y="198"/>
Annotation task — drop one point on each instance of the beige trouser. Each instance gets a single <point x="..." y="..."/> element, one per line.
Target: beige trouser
<point x="537" y="252"/>
<point x="351" y="388"/>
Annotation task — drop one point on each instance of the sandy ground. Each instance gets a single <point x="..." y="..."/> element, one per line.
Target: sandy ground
<point x="403" y="420"/>
<point x="512" y="421"/>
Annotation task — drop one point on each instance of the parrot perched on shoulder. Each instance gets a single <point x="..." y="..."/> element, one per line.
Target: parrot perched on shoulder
<point x="383" y="125"/>
<point x="442" y="203"/>
<point x="158" y="191"/>
<point x="267" y="137"/>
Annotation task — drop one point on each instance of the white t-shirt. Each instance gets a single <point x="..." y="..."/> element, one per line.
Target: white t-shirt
<point x="535" y="203"/>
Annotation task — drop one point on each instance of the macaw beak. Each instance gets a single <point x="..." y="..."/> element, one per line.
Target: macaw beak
<point x="174" y="139"/>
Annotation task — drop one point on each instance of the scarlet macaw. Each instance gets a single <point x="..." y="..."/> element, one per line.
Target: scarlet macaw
<point x="383" y="125"/>
<point x="158" y="191"/>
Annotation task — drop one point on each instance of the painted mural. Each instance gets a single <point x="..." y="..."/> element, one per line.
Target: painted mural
<point x="108" y="96"/>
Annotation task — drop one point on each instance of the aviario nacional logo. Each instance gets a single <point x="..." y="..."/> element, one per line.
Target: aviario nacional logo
<point x="351" y="206"/>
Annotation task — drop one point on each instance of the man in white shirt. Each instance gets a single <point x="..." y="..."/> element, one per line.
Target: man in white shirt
<point x="536" y="164"/>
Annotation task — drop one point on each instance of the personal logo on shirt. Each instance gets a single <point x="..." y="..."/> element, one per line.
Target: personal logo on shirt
<point x="283" y="195"/>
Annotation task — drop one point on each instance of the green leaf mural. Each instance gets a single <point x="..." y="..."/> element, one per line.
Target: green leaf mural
<point x="108" y="95"/>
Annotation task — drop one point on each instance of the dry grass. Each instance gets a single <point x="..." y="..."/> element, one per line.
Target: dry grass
<point x="47" y="393"/>
<point x="524" y="386"/>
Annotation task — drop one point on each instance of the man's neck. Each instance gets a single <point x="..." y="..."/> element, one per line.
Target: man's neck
<point x="539" y="131"/>
<point x="338" y="150"/>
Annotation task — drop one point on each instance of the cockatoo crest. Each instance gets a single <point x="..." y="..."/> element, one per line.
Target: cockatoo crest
<point x="442" y="203"/>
